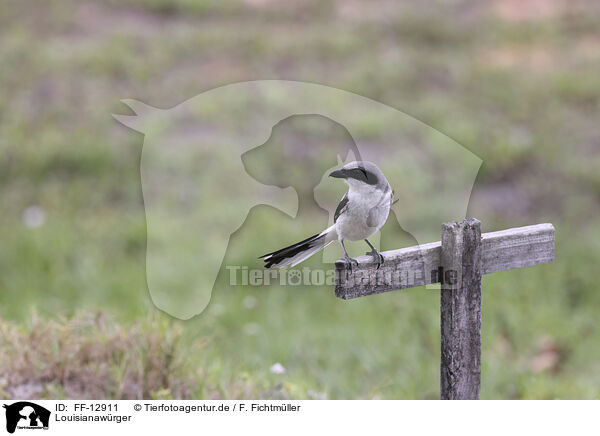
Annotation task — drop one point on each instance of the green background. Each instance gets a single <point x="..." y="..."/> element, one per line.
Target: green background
<point x="515" y="82"/>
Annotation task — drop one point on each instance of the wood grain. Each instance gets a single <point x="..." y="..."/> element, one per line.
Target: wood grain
<point x="460" y="310"/>
<point x="420" y="265"/>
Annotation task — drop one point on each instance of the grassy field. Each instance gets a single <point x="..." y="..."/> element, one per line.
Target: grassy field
<point x="515" y="82"/>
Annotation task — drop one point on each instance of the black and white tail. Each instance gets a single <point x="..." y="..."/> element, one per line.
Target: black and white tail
<point x="296" y="253"/>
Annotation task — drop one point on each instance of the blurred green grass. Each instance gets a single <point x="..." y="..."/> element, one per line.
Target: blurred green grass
<point x="516" y="85"/>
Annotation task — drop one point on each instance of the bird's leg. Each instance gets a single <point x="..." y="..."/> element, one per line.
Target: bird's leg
<point x="348" y="259"/>
<point x="376" y="254"/>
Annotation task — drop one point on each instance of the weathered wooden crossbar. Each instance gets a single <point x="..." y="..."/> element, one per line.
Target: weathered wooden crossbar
<point x="421" y="265"/>
<point x="457" y="262"/>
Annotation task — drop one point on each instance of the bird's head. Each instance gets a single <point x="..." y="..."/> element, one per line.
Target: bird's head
<point x="361" y="175"/>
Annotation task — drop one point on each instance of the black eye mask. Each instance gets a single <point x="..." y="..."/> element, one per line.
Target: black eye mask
<point x="363" y="175"/>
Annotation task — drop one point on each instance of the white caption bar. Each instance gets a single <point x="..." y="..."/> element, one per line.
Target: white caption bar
<point x="250" y="417"/>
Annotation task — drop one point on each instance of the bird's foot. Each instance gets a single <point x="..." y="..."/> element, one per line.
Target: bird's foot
<point x="350" y="261"/>
<point x="377" y="257"/>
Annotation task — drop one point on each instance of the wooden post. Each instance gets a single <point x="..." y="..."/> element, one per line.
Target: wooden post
<point x="457" y="262"/>
<point x="460" y="370"/>
<point x="421" y="265"/>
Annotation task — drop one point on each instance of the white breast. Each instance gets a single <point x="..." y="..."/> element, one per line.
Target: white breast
<point x="367" y="211"/>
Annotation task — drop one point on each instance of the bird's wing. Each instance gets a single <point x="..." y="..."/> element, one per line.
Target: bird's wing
<point x="341" y="208"/>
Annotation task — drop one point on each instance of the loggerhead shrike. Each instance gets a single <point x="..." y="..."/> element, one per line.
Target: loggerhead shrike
<point x="362" y="211"/>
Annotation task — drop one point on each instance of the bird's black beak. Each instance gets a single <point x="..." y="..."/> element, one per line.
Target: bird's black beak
<point x="338" y="174"/>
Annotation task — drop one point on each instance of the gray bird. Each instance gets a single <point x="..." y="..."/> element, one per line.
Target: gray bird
<point x="362" y="211"/>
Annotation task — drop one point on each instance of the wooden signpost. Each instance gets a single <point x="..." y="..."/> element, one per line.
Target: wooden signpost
<point x="457" y="262"/>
